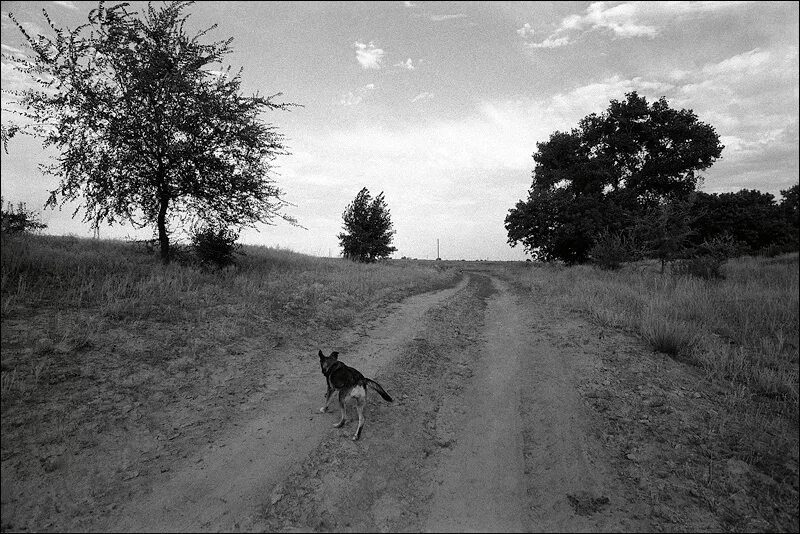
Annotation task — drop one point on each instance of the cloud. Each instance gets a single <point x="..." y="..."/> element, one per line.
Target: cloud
<point x="525" y="31"/>
<point x="423" y="97"/>
<point x="499" y="137"/>
<point x="354" y="98"/>
<point x="407" y="64"/>
<point x="624" y="21"/>
<point x="68" y="5"/>
<point x="368" y="56"/>
<point x="409" y="4"/>
<point x="440" y="18"/>
<point x="550" y="42"/>
<point x="11" y="50"/>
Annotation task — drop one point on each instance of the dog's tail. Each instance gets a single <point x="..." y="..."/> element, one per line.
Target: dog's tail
<point x="377" y="387"/>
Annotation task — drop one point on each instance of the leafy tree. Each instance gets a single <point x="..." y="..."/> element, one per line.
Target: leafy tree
<point x="752" y="218"/>
<point x="790" y="209"/>
<point x="605" y="174"/>
<point x="148" y="131"/>
<point x="368" y="228"/>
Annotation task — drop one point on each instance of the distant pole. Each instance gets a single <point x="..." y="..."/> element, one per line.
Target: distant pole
<point x="438" y="257"/>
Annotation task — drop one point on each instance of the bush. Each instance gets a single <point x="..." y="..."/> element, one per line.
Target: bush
<point x="610" y="251"/>
<point x="707" y="260"/>
<point x="706" y="267"/>
<point x="215" y="246"/>
<point x="19" y="220"/>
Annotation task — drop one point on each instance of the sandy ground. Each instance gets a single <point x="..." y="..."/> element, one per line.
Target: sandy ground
<point x="508" y="415"/>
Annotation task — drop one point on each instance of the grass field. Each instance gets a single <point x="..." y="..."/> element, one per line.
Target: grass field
<point x="102" y="345"/>
<point x="741" y="332"/>
<point x="109" y="358"/>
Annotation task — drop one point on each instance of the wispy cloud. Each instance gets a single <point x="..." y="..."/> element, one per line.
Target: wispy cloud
<point x="409" y="4"/>
<point x="422" y="97"/>
<point x="407" y="64"/>
<point x="353" y="98"/>
<point x="68" y="5"/>
<point x="623" y="21"/>
<point x="525" y="31"/>
<point x="368" y="56"/>
<point x="440" y="18"/>
<point x="11" y="50"/>
<point x="550" y="42"/>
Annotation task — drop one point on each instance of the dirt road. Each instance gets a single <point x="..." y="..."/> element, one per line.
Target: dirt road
<point x="493" y="428"/>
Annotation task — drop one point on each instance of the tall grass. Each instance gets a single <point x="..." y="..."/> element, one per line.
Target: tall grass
<point x="108" y="356"/>
<point x="73" y="291"/>
<point x="742" y="331"/>
<point x="119" y="279"/>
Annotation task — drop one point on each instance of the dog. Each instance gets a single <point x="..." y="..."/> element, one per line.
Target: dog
<point x="350" y="384"/>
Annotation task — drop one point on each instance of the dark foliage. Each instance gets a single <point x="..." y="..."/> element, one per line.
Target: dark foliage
<point x="611" y="250"/>
<point x="607" y="174"/>
<point x="19" y="220"/>
<point x="368" y="229"/>
<point x="215" y="246"/>
<point x="751" y="218"/>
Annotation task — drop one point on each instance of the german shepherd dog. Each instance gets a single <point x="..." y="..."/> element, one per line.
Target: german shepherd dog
<point x="349" y="383"/>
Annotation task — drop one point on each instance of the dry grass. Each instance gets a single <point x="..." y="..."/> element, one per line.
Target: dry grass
<point x="743" y="328"/>
<point x="96" y="331"/>
<point x="742" y="332"/>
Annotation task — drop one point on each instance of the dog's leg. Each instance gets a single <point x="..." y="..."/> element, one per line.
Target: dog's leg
<point x="327" y="399"/>
<point x="360" y="402"/>
<point x="342" y="406"/>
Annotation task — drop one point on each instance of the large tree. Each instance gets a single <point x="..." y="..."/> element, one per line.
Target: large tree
<point x="368" y="228"/>
<point x="605" y="174"/>
<point x="150" y="129"/>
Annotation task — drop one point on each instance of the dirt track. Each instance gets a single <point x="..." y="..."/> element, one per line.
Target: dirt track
<point x="508" y="416"/>
<point x="487" y="432"/>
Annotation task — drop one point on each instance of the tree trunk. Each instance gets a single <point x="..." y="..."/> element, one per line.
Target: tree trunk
<point x="163" y="237"/>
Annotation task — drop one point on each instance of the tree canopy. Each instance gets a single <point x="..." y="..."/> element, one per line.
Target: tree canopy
<point x="368" y="230"/>
<point x="149" y="129"/>
<point x="606" y="173"/>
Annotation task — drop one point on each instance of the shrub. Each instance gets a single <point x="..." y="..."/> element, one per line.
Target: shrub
<point x="708" y="258"/>
<point x="215" y="245"/>
<point x="19" y="220"/>
<point x="610" y="251"/>
<point x="706" y="267"/>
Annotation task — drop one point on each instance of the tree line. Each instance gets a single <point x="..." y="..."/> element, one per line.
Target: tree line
<point x="151" y="132"/>
<point x="623" y="186"/>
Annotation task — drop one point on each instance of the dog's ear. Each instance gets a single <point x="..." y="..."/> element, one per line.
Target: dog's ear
<point x="321" y="355"/>
<point x="335" y="355"/>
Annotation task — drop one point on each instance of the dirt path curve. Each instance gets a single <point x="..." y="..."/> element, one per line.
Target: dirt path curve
<point x="226" y="484"/>
<point x="489" y="434"/>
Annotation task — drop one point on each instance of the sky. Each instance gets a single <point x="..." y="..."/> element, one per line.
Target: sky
<point x="439" y="105"/>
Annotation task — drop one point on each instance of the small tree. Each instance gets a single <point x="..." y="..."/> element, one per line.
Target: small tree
<point x="368" y="229"/>
<point x="664" y="231"/>
<point x="149" y="129"/>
